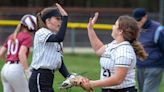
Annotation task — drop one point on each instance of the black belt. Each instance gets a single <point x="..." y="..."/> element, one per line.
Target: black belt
<point x="120" y="90"/>
<point x="43" y="70"/>
<point x="13" y="62"/>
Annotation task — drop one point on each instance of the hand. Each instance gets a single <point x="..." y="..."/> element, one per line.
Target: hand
<point x="27" y="73"/>
<point x="92" y="21"/>
<point x="86" y="85"/>
<point x="62" y="11"/>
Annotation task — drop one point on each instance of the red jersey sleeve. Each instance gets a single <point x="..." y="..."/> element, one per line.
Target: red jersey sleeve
<point x="27" y="41"/>
<point x="5" y="43"/>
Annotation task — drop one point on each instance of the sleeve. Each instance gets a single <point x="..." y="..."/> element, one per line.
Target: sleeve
<point x="5" y="43"/>
<point x="27" y="41"/>
<point x="161" y="40"/>
<point x="43" y="34"/>
<point x="59" y="37"/>
<point x="124" y="57"/>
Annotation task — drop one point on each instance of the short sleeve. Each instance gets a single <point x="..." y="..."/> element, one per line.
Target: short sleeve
<point x="43" y="34"/>
<point x="5" y="43"/>
<point x="124" y="57"/>
<point x="27" y="41"/>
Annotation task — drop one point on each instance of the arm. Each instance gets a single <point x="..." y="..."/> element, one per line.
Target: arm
<point x="62" y="11"/>
<point x="160" y="40"/>
<point x="63" y="70"/>
<point x="96" y="44"/>
<point x="2" y="52"/>
<point x="59" y="37"/>
<point x="116" y="79"/>
<point x="23" y="57"/>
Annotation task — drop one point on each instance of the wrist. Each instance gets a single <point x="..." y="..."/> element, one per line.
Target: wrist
<point x="92" y="84"/>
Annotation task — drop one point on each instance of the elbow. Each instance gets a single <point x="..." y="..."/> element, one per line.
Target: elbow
<point x="98" y="53"/>
<point x="60" y="39"/>
<point x="19" y="55"/>
<point x="119" y="81"/>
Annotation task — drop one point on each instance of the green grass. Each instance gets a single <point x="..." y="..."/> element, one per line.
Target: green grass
<point x="84" y="64"/>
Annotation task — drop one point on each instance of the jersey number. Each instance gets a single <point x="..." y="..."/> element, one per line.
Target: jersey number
<point x="106" y="73"/>
<point x="12" y="48"/>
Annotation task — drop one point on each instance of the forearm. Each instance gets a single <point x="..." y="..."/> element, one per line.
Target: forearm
<point x="95" y="41"/>
<point x="23" y="61"/>
<point x="2" y="53"/>
<point x="59" y="37"/>
<point x="111" y="81"/>
<point x="63" y="70"/>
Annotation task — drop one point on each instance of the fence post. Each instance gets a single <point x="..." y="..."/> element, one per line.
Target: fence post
<point x="72" y="40"/>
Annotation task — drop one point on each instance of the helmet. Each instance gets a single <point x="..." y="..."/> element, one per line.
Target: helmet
<point x="29" y="21"/>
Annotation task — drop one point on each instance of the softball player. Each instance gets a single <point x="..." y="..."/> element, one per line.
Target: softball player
<point x="118" y="58"/>
<point x="15" y="72"/>
<point x="47" y="54"/>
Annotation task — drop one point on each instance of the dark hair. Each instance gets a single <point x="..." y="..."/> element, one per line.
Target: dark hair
<point x="45" y="14"/>
<point x="130" y="33"/>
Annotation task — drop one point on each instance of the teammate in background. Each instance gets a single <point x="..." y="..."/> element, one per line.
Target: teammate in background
<point x="48" y="54"/>
<point x="118" y="58"/>
<point x="149" y="72"/>
<point x="15" y="72"/>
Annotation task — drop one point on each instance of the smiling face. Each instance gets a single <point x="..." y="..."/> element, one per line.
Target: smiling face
<point x="54" y="23"/>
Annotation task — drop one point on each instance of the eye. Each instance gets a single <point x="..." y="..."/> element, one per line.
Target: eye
<point x="58" y="18"/>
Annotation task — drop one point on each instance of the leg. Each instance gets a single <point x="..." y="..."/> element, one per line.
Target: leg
<point x="41" y="81"/>
<point x="17" y="78"/>
<point x="33" y="82"/>
<point x="6" y="86"/>
<point x="140" y="78"/>
<point x="153" y="78"/>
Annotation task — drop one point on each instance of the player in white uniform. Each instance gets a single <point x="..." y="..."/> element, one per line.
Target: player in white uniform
<point x="17" y="48"/>
<point x="47" y="53"/>
<point x="118" y="58"/>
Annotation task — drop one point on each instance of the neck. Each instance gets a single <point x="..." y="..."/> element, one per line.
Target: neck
<point x="119" y="39"/>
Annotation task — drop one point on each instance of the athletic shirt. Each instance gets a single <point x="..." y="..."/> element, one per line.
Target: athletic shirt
<point x="23" y="38"/>
<point x="118" y="55"/>
<point x="46" y="55"/>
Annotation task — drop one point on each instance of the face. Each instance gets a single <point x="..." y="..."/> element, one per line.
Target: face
<point x="142" y="21"/>
<point x="115" y="30"/>
<point x="54" y="23"/>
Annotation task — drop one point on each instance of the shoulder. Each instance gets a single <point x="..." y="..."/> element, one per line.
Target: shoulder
<point x="43" y="30"/>
<point x="125" y="49"/>
<point x="24" y="35"/>
<point x="155" y="24"/>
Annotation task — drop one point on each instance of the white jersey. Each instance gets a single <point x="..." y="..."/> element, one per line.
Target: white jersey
<point x="46" y="55"/>
<point x="120" y="55"/>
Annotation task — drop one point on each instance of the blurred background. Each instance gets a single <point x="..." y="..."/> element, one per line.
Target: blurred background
<point x="76" y="39"/>
<point x="79" y="12"/>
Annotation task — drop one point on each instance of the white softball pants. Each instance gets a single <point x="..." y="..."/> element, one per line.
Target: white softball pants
<point x="13" y="78"/>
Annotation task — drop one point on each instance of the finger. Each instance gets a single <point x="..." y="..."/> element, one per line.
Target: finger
<point x="95" y="17"/>
<point x="62" y="11"/>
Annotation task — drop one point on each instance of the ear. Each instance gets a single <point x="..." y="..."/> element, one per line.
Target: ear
<point x="120" y="31"/>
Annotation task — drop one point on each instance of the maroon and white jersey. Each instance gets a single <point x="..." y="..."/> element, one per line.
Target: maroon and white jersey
<point x="23" y="38"/>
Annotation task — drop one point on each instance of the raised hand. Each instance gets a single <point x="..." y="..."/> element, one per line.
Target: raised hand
<point x="92" y="21"/>
<point x="62" y="11"/>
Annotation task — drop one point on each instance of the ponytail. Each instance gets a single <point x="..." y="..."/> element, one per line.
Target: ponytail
<point x="139" y="50"/>
<point x="17" y="30"/>
<point x="40" y="22"/>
